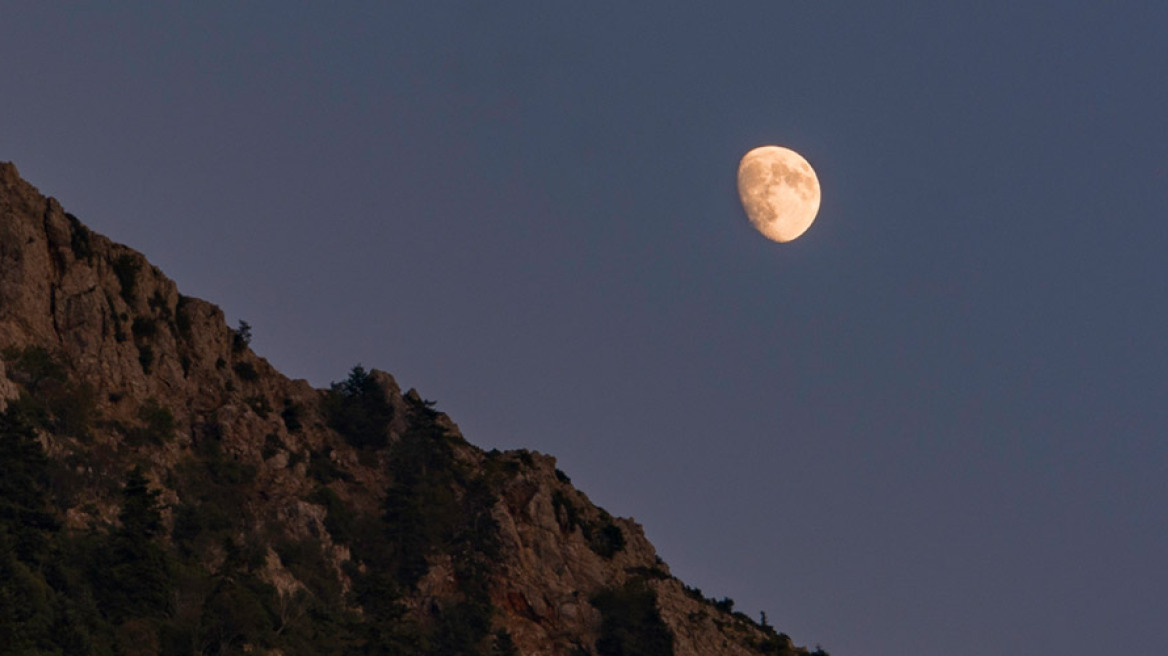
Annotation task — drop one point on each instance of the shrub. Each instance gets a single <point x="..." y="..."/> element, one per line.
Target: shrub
<point x="146" y="358"/>
<point x="236" y="614"/>
<point x="231" y="472"/>
<point x="157" y="421"/>
<point x="272" y="445"/>
<point x="566" y="514"/>
<point x="126" y="269"/>
<point x="463" y="628"/>
<point x="359" y="410"/>
<point x="777" y="644"/>
<point x="339" y="519"/>
<point x="157" y="302"/>
<point x="76" y="411"/>
<point x="695" y="593"/>
<point x="259" y="405"/>
<point x="306" y="560"/>
<point x="725" y="604"/>
<point x="607" y="541"/>
<point x="291" y="415"/>
<point x="194" y="520"/>
<point x="246" y="371"/>
<point x="79" y="238"/>
<point x="34" y="367"/>
<point x="648" y="573"/>
<point x="241" y="337"/>
<point x="631" y="623"/>
<point x="498" y="467"/>
<point x="604" y="537"/>
<point x="144" y="328"/>
<point x="322" y="468"/>
<point x="182" y="318"/>
<point x="49" y="399"/>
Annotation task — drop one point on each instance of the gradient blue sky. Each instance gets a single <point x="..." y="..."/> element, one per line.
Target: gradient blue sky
<point x="934" y="424"/>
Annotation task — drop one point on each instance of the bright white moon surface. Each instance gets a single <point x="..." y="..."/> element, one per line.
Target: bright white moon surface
<point x="779" y="191"/>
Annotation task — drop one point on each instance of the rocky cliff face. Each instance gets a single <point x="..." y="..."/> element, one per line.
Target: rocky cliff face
<point x="277" y="518"/>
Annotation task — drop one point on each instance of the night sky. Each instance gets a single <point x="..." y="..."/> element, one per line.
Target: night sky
<point x="934" y="424"/>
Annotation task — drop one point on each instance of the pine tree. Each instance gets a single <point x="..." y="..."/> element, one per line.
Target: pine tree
<point x="132" y="575"/>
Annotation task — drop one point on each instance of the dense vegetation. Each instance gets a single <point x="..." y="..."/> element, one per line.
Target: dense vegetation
<point x="132" y="588"/>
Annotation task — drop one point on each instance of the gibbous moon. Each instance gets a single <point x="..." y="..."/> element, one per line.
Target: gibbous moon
<point x="779" y="192"/>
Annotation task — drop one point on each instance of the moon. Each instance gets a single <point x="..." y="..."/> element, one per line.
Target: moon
<point x="779" y="191"/>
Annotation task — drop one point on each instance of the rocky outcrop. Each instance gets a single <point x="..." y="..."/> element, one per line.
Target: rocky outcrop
<point x="152" y="377"/>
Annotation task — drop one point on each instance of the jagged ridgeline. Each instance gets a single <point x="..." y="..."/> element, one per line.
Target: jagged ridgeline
<point x="163" y="490"/>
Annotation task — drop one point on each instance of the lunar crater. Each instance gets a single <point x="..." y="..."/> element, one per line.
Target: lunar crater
<point x="779" y="191"/>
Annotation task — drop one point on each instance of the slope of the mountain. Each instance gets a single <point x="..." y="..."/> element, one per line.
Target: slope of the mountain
<point x="165" y="490"/>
